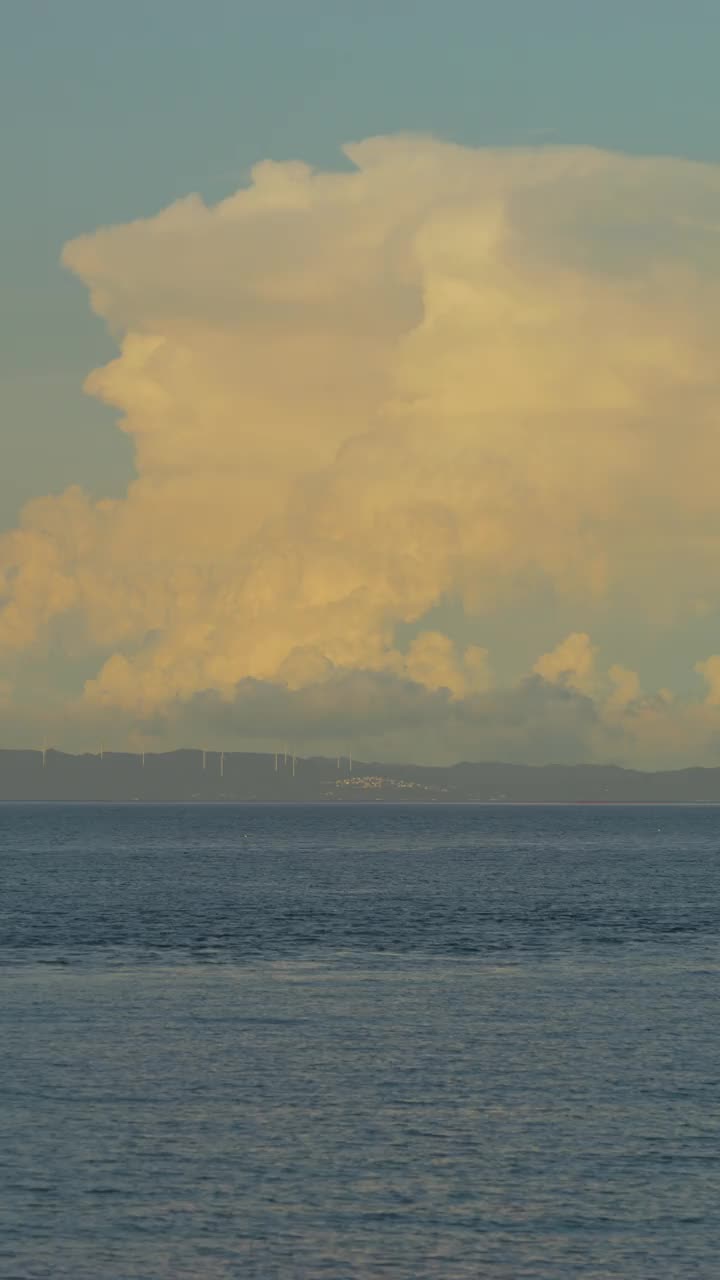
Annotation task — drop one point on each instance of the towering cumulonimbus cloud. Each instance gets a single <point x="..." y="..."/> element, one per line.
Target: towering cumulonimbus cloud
<point x="355" y="395"/>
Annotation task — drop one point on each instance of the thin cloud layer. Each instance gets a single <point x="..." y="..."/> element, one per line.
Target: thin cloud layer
<point x="354" y="396"/>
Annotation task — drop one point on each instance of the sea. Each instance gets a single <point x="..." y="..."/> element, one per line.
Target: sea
<point x="359" y="1041"/>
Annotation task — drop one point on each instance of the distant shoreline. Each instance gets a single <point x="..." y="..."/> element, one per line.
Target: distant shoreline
<point x="202" y="777"/>
<point x="365" y="804"/>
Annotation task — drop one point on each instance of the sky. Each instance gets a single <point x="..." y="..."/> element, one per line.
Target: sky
<point x="358" y="377"/>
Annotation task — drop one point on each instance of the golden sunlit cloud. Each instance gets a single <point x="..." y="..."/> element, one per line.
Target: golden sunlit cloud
<point x="354" y="396"/>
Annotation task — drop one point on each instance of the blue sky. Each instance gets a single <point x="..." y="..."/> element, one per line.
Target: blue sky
<point x="110" y="111"/>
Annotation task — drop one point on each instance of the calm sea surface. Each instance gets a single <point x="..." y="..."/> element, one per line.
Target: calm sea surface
<point x="359" y="1042"/>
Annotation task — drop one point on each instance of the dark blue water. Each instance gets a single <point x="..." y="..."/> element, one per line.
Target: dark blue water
<point x="359" y="1042"/>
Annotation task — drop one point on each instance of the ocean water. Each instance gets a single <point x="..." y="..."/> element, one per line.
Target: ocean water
<point x="356" y="1042"/>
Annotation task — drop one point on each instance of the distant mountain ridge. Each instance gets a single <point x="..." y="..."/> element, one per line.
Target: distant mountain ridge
<point x="194" y="775"/>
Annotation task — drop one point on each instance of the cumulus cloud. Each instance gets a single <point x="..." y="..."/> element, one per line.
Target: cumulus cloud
<point x="571" y="663"/>
<point x="354" y="396"/>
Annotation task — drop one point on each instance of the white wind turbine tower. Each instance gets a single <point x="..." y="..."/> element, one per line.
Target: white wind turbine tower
<point x="222" y="764"/>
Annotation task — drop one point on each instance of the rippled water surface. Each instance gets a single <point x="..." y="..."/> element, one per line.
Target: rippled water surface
<point x="359" y="1042"/>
